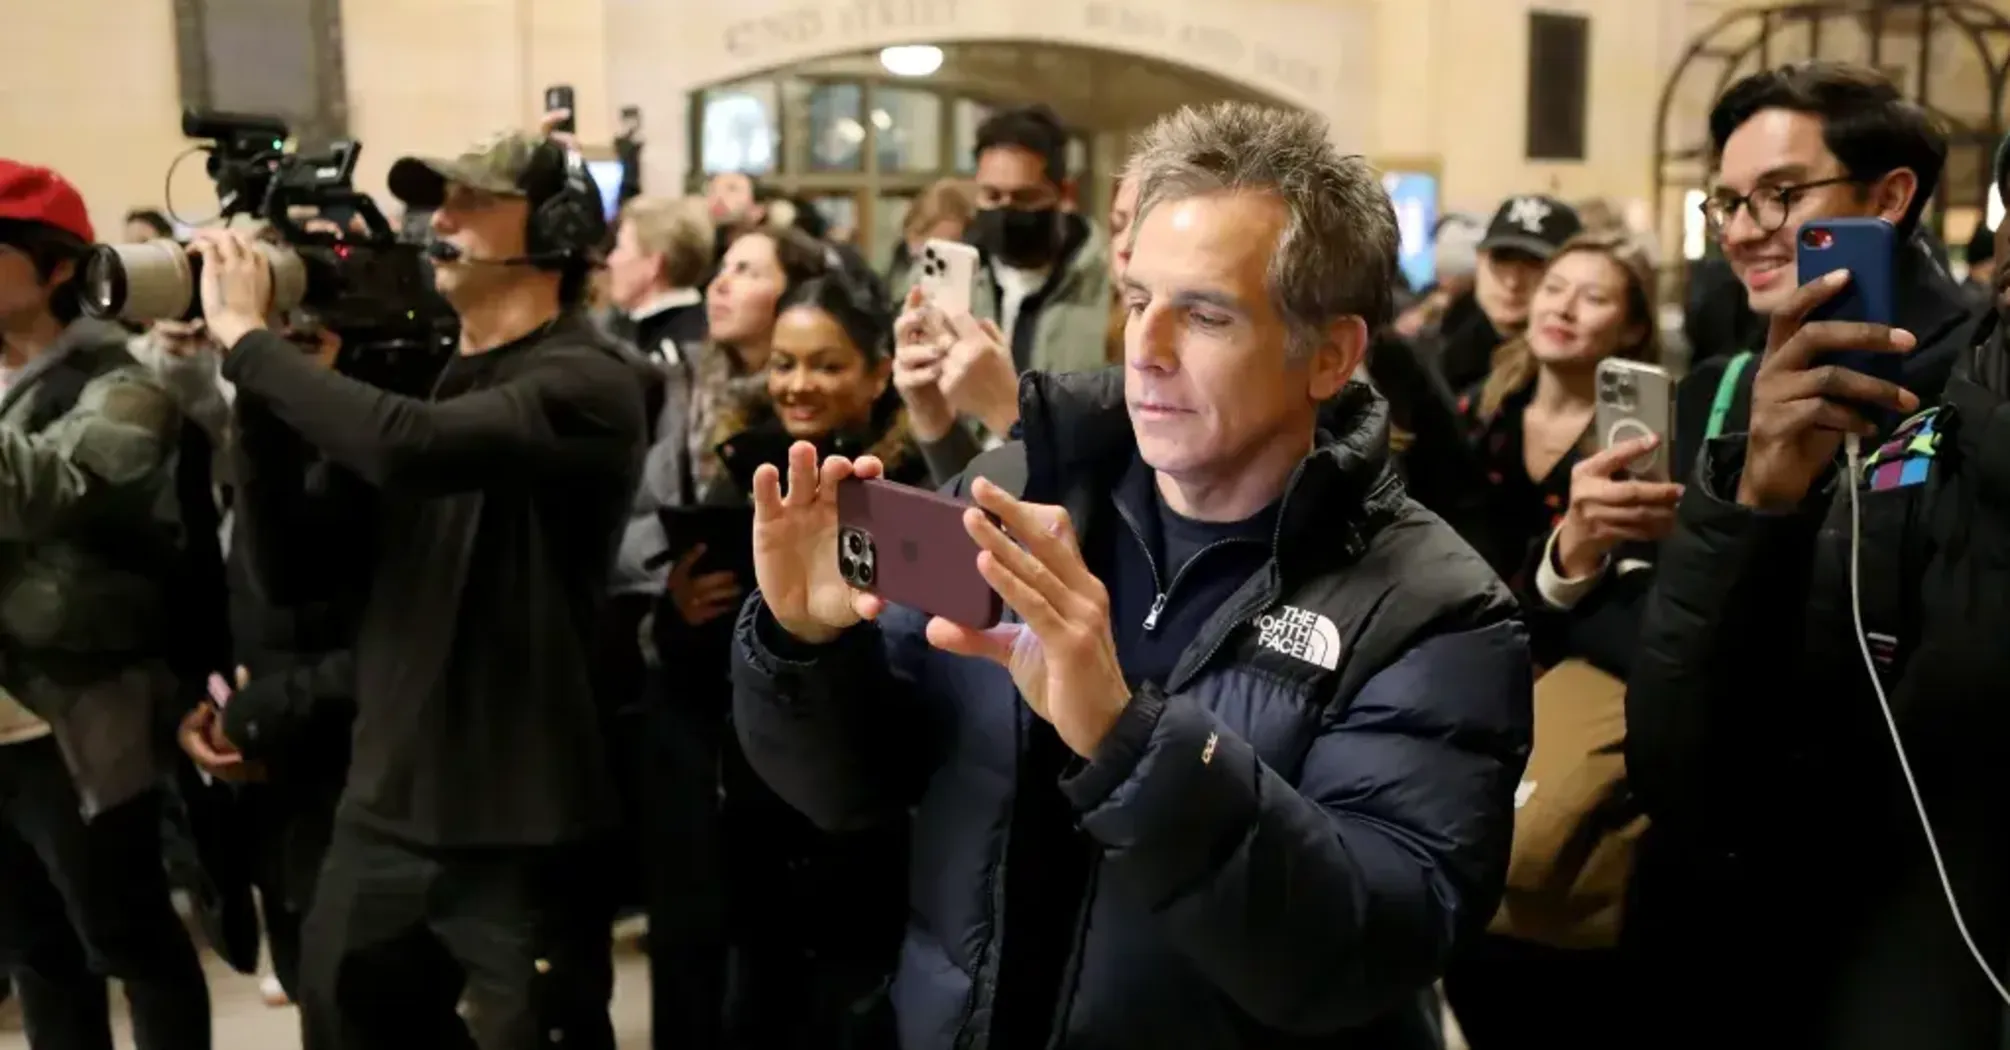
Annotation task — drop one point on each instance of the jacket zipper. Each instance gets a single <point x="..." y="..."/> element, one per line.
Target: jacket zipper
<point x="1271" y="591"/>
<point x="1164" y="590"/>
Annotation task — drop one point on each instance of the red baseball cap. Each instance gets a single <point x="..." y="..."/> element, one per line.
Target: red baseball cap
<point x="39" y="195"/>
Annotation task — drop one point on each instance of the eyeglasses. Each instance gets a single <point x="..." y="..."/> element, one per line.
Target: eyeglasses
<point x="1768" y="205"/>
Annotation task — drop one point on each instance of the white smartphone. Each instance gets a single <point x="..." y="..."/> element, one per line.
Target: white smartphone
<point x="1636" y="399"/>
<point x="948" y="274"/>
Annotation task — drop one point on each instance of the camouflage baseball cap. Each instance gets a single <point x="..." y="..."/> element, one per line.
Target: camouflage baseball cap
<point x="497" y="164"/>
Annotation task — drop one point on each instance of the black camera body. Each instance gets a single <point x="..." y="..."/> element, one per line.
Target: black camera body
<point x="337" y="262"/>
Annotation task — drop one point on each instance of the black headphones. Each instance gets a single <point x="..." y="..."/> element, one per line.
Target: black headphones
<point x="568" y="225"/>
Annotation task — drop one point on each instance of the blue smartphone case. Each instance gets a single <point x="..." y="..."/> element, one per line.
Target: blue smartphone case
<point x="1868" y="249"/>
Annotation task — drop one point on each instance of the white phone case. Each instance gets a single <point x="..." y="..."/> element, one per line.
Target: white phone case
<point x="948" y="275"/>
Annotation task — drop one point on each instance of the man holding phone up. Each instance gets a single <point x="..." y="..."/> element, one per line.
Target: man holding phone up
<point x="1239" y="768"/>
<point x="1795" y="629"/>
<point x="1807" y="142"/>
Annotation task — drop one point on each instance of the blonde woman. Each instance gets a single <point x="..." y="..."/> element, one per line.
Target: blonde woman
<point x="1531" y="421"/>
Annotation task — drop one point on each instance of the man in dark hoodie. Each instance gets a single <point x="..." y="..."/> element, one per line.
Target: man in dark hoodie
<point x="1820" y="681"/>
<point x="87" y="545"/>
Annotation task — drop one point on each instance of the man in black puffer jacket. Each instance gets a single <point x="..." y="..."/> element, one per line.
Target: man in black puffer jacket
<point x="1796" y="626"/>
<point x="1262" y="774"/>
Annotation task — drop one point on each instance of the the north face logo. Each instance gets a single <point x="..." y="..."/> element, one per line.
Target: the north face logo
<point x="1301" y="635"/>
<point x="1529" y="213"/>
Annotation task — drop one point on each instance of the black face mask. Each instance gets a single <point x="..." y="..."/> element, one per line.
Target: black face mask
<point x="1024" y="239"/>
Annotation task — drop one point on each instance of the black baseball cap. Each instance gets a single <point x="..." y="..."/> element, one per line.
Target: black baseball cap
<point x="1534" y="224"/>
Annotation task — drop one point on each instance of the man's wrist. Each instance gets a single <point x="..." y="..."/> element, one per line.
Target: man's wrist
<point x="1000" y="421"/>
<point x="1116" y="755"/>
<point x="1092" y="742"/>
<point x="1755" y="497"/>
<point x="930" y="426"/>
<point x="230" y="331"/>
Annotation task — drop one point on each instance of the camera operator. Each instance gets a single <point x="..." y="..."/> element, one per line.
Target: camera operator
<point x="87" y="546"/>
<point x="479" y="792"/>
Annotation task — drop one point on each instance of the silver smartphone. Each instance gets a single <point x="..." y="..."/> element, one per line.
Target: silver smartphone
<point x="1636" y="399"/>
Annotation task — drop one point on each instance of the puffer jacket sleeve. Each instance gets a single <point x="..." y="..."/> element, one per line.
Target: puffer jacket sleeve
<point x="1320" y="902"/>
<point x="1721" y="642"/>
<point x="839" y="730"/>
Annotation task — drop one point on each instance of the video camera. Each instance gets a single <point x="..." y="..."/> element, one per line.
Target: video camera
<point x="336" y="258"/>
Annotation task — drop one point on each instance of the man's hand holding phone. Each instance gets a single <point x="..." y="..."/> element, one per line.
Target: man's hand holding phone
<point x="1801" y="410"/>
<point x="978" y="375"/>
<point x="920" y="343"/>
<point x="795" y="546"/>
<point x="1062" y="656"/>
<point x="947" y="364"/>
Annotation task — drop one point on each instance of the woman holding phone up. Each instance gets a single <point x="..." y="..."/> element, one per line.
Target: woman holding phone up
<point x="1553" y="495"/>
<point x="1558" y="509"/>
<point x="816" y="918"/>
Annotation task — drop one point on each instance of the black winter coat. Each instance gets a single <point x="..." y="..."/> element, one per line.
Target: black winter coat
<point x="1791" y="884"/>
<point x="1290" y="831"/>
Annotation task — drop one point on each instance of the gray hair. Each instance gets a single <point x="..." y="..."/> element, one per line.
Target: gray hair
<point x="1337" y="255"/>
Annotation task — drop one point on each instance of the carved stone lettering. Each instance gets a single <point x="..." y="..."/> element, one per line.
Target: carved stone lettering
<point x="1212" y="44"/>
<point x="784" y="29"/>
<point x="1303" y="76"/>
<point x="1129" y="22"/>
<point x="838" y="24"/>
<point x="860" y="17"/>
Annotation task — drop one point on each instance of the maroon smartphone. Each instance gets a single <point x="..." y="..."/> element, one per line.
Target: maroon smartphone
<point x="908" y="546"/>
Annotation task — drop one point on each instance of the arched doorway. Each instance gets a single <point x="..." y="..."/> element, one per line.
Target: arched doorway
<point x="847" y="134"/>
<point x="1317" y="56"/>
<point x="1947" y="55"/>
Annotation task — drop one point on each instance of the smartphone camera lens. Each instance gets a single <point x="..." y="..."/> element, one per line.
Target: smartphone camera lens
<point x="855" y="558"/>
<point x="1816" y="238"/>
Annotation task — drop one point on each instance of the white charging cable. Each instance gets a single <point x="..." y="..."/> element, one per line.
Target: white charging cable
<point x="1853" y="448"/>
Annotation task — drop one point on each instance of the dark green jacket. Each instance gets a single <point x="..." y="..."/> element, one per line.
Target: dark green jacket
<point x="89" y="538"/>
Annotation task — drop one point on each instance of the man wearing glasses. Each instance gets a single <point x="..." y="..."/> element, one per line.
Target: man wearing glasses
<point x="1803" y="616"/>
<point x="1818" y="140"/>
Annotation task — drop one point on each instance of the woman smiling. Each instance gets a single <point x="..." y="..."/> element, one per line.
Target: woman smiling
<point x="828" y="383"/>
<point x="816" y="918"/>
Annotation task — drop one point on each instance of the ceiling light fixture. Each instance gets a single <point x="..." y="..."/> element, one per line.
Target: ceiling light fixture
<point x="911" y="60"/>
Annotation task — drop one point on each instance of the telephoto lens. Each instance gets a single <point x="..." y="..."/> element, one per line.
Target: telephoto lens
<point x="162" y="280"/>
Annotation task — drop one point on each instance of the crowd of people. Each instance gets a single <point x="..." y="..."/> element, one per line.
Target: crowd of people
<point x="1348" y="671"/>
